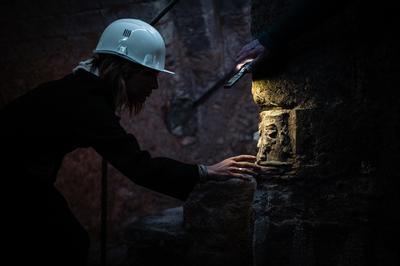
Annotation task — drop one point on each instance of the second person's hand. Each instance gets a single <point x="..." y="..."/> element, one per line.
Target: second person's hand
<point x="254" y="50"/>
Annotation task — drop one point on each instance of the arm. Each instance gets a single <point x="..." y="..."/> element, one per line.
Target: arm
<point x="163" y="175"/>
<point x="99" y="127"/>
<point x="166" y="175"/>
<point x="302" y="16"/>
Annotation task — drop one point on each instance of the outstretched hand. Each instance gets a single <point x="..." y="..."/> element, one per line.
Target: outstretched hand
<point x="242" y="166"/>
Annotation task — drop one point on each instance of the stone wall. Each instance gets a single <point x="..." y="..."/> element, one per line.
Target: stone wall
<point x="327" y="118"/>
<point x="214" y="227"/>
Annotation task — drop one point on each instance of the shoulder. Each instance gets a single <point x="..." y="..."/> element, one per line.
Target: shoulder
<point x="92" y="99"/>
<point x="64" y="88"/>
<point x="80" y="96"/>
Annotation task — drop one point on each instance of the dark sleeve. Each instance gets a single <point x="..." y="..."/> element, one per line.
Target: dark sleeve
<point x="302" y="16"/>
<point x="122" y="150"/>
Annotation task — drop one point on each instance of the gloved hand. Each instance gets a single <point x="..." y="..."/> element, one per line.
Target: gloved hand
<point x="253" y="51"/>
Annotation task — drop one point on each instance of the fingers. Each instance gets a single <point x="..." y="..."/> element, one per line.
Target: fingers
<point x="245" y="56"/>
<point x="245" y="158"/>
<point x="240" y="170"/>
<point x="246" y="165"/>
<point x="241" y="166"/>
<point x="245" y="50"/>
<point x="250" y="51"/>
<point x="242" y="54"/>
<point x="231" y="175"/>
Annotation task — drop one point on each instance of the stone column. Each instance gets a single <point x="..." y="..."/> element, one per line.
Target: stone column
<point x="322" y="134"/>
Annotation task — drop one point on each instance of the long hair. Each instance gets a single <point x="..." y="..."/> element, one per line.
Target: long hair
<point x="115" y="70"/>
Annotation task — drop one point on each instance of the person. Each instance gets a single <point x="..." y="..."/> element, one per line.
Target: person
<point x="82" y="110"/>
<point x="302" y="16"/>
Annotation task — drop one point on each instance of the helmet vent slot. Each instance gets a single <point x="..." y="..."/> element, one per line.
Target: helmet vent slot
<point x="127" y="33"/>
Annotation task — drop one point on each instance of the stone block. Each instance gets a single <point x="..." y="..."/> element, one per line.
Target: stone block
<point x="276" y="140"/>
<point x="218" y="217"/>
<point x="155" y="238"/>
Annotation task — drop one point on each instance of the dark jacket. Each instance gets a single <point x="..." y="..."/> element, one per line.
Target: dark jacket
<point x="302" y="16"/>
<point x="41" y="127"/>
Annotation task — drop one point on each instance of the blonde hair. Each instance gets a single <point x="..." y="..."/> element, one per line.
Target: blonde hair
<point x="115" y="70"/>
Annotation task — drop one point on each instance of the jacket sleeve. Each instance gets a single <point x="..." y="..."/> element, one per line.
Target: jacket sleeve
<point x="104" y="133"/>
<point x="303" y="15"/>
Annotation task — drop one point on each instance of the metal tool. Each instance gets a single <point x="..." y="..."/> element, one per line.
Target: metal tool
<point x="180" y="114"/>
<point x="246" y="68"/>
<point x="163" y="12"/>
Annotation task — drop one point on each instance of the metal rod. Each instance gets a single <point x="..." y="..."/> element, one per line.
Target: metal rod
<point x="211" y="90"/>
<point x="214" y="88"/>
<point x="246" y="68"/>
<point x="104" y="200"/>
<point x="163" y="12"/>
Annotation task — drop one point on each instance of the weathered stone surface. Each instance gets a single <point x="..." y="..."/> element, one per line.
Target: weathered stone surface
<point x="162" y="227"/>
<point x="157" y="238"/>
<point x="218" y="217"/>
<point x="215" y="227"/>
<point x="276" y="141"/>
<point x="327" y="208"/>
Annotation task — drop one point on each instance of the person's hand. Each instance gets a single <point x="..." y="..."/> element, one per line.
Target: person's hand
<point x="242" y="166"/>
<point x="253" y="51"/>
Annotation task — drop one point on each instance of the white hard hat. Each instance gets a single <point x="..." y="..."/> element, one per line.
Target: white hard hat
<point x="134" y="40"/>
